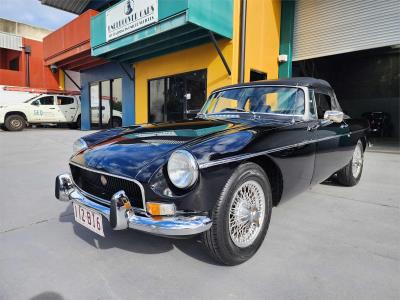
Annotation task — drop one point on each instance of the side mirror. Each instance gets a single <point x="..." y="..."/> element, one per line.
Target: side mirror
<point x="36" y="103"/>
<point x="334" y="116"/>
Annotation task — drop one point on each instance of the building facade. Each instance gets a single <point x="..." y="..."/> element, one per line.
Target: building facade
<point x="159" y="60"/>
<point x="21" y="57"/>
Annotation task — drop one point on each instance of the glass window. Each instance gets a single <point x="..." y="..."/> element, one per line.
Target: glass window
<point x="117" y="97"/>
<point x="273" y="100"/>
<point x="47" y="100"/>
<point x="323" y="103"/>
<point x="61" y="100"/>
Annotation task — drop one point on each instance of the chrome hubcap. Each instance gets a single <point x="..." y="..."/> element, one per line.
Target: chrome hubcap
<point x="357" y="161"/>
<point x="16" y="123"/>
<point x="246" y="214"/>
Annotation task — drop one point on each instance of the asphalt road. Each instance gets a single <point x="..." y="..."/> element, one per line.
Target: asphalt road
<point x="331" y="242"/>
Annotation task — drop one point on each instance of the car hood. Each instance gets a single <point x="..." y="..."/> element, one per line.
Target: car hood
<point x="125" y="151"/>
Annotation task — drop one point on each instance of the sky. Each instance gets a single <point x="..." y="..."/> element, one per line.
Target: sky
<point x="32" y="12"/>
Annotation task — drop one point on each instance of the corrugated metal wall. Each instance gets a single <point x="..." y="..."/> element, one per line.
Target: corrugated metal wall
<point x="328" y="27"/>
<point x="10" y="41"/>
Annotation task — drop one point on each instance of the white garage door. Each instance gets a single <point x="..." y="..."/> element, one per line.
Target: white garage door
<point x="328" y="27"/>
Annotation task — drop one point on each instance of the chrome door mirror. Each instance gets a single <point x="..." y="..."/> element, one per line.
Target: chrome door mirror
<point x="334" y="116"/>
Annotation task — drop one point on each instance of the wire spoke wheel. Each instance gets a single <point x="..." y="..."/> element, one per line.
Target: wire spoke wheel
<point x="357" y="161"/>
<point x="246" y="213"/>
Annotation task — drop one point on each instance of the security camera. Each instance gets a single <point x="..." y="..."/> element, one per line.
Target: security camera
<point x="53" y="69"/>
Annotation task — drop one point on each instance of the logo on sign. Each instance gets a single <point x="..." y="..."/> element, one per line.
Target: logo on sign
<point x="129" y="7"/>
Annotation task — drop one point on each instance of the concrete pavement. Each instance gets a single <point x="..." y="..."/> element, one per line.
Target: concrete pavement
<point x="331" y="242"/>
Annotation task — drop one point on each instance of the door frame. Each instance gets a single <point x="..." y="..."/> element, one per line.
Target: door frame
<point x="99" y="83"/>
<point x="169" y="76"/>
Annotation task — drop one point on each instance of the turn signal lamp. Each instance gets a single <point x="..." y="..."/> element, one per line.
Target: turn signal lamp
<point x="160" y="209"/>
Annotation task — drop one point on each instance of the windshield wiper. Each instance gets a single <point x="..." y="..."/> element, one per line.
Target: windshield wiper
<point x="234" y="109"/>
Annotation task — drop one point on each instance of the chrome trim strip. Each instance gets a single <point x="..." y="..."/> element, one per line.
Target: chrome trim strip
<point x="113" y="175"/>
<point x="251" y="155"/>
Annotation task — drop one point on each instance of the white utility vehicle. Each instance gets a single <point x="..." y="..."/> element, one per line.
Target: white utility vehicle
<point x="52" y="109"/>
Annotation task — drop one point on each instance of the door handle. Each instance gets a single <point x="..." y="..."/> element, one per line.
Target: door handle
<point x="52" y="108"/>
<point x="72" y="108"/>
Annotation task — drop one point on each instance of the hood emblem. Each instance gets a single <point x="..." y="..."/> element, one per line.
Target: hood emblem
<point x="103" y="180"/>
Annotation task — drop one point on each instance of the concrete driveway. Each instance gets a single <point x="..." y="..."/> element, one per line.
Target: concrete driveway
<point x="331" y="242"/>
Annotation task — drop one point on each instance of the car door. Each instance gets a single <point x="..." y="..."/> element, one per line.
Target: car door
<point x="333" y="143"/>
<point x="35" y="113"/>
<point x="47" y="109"/>
<point x="67" y="108"/>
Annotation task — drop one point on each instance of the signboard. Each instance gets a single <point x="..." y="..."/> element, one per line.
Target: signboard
<point x="130" y="15"/>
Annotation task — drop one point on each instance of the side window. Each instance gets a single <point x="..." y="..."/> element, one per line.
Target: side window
<point x="323" y="104"/>
<point x="61" y="100"/>
<point x="47" y="100"/>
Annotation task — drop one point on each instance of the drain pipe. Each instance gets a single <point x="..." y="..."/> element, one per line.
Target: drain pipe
<point x="242" y="49"/>
<point x="27" y="51"/>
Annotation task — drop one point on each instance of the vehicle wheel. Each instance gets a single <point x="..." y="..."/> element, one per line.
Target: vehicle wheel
<point x="4" y="128"/>
<point x="241" y="216"/>
<point x="15" y="123"/>
<point x="78" y="123"/>
<point x="116" y="122"/>
<point x="350" y="175"/>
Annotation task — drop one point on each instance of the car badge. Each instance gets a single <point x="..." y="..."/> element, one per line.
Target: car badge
<point x="103" y="180"/>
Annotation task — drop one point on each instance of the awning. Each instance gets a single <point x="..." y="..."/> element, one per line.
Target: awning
<point x="172" y="26"/>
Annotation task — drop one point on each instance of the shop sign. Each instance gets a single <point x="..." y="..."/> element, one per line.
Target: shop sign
<point x="130" y="15"/>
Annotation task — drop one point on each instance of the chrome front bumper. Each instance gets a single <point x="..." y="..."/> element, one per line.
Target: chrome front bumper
<point x="122" y="218"/>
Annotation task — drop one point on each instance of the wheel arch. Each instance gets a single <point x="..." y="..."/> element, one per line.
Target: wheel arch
<point x="20" y="113"/>
<point x="274" y="176"/>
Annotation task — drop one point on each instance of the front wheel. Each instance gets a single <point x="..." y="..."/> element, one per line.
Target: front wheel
<point x="15" y="123"/>
<point x="350" y="175"/>
<point x="241" y="216"/>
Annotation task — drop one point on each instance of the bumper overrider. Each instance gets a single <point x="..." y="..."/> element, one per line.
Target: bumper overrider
<point x="121" y="215"/>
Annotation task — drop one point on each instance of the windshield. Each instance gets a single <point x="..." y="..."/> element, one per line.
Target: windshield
<point x="267" y="100"/>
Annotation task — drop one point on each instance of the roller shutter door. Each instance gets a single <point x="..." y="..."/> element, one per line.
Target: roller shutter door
<point x="328" y="27"/>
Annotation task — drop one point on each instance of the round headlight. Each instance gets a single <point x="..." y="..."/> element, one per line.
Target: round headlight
<point x="79" y="145"/>
<point x="182" y="169"/>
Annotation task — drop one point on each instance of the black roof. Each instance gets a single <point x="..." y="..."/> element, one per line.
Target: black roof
<point x="318" y="84"/>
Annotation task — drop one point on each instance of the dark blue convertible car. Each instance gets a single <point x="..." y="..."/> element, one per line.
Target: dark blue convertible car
<point x="251" y="147"/>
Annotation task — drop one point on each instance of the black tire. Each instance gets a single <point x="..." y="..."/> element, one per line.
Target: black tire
<point x="217" y="240"/>
<point x="116" y="122"/>
<point x="346" y="175"/>
<point x="4" y="127"/>
<point x="15" y="123"/>
<point x="76" y="125"/>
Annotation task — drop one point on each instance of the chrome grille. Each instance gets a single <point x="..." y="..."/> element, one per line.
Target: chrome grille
<point x="104" y="186"/>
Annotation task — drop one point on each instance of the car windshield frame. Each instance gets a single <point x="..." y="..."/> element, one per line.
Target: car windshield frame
<point x="30" y="99"/>
<point x="305" y="115"/>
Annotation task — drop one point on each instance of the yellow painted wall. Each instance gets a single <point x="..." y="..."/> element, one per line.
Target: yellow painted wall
<point x="61" y="80"/>
<point x="262" y="48"/>
<point x="262" y="37"/>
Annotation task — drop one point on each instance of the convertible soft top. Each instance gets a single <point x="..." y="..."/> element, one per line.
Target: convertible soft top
<point x="318" y="84"/>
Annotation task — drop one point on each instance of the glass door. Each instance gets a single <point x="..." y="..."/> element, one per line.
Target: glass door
<point x="177" y="97"/>
<point x="94" y="105"/>
<point x="106" y="103"/>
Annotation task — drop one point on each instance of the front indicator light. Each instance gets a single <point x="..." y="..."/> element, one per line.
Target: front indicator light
<point x="160" y="209"/>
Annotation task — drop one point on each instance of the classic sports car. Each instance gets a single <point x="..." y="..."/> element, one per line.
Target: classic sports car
<point x="251" y="147"/>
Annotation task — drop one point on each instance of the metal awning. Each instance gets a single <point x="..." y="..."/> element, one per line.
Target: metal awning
<point x="72" y="6"/>
<point x="181" y="25"/>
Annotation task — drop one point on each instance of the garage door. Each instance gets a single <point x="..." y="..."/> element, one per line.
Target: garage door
<point x="328" y="27"/>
